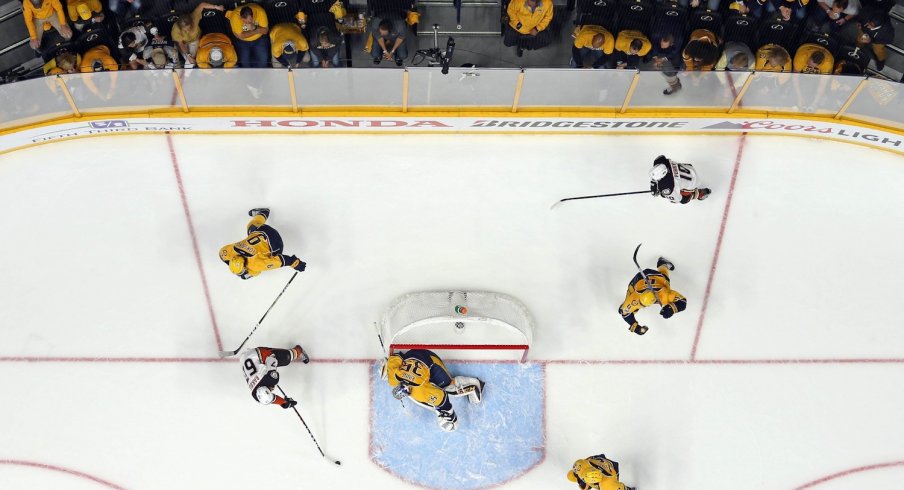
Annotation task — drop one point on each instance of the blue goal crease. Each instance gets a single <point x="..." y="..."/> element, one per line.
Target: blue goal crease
<point x="496" y="441"/>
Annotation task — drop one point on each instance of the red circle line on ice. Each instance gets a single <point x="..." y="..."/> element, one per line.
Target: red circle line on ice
<point x="852" y="471"/>
<point x="60" y="469"/>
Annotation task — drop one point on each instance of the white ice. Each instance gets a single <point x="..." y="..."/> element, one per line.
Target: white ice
<point x="106" y="340"/>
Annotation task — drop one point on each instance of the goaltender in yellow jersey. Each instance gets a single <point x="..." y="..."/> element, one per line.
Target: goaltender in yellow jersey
<point x="652" y="289"/>
<point x="421" y="375"/>
<point x="596" y="473"/>
<point x="261" y="250"/>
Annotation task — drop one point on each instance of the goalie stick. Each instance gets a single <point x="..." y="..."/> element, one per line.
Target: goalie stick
<point x="383" y="346"/>
<point x="334" y="461"/>
<point x="227" y="353"/>
<point x="645" y="278"/>
<point x="560" y="201"/>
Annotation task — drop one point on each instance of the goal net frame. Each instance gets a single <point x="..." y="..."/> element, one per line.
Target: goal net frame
<point x="487" y="314"/>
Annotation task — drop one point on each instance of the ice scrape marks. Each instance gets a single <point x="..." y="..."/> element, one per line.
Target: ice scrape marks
<point x="497" y="440"/>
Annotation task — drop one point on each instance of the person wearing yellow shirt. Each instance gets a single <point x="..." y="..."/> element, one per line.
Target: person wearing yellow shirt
<point x="250" y="28"/>
<point x="186" y="32"/>
<point x="38" y="15"/>
<point x="82" y="11"/>
<point x="813" y="58"/>
<point x="528" y="24"/>
<point x="702" y="51"/>
<point x="774" y="58"/>
<point x="288" y="45"/>
<point x="630" y="47"/>
<point x="98" y="59"/>
<point x="215" y="50"/>
<point x="592" y="47"/>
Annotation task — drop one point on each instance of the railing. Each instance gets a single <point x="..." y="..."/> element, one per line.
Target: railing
<point x="603" y="92"/>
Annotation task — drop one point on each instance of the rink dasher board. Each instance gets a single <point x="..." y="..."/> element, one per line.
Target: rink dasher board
<point x="864" y="135"/>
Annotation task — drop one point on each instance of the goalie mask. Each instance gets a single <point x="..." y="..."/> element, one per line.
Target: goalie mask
<point x="401" y="391"/>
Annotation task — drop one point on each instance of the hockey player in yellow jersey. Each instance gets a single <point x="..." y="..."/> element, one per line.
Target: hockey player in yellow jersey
<point x="261" y="250"/>
<point x="596" y="473"/>
<point x="655" y="288"/>
<point x="421" y="375"/>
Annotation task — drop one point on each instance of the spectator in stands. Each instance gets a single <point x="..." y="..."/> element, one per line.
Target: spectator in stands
<point x="630" y="48"/>
<point x="63" y="63"/>
<point x="791" y="10"/>
<point x="528" y="24"/>
<point x="160" y="52"/>
<point x="186" y="33"/>
<point x="39" y="15"/>
<point x="133" y="41"/>
<point x="124" y="8"/>
<point x="876" y="33"/>
<point x="216" y="51"/>
<point x="98" y="58"/>
<point x="250" y="28"/>
<point x="665" y="56"/>
<point x="288" y="45"/>
<point x="755" y="8"/>
<point x="773" y="58"/>
<point x="736" y="57"/>
<point x="592" y="47"/>
<point x="710" y="4"/>
<point x="813" y="58"/>
<point x="389" y="41"/>
<point x="830" y="16"/>
<point x="326" y="52"/>
<point x="82" y="12"/>
<point x="702" y="51"/>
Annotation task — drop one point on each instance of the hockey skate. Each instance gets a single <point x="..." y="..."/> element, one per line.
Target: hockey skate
<point x="448" y="421"/>
<point x="664" y="262"/>
<point x="265" y="212"/>
<point x="301" y="354"/>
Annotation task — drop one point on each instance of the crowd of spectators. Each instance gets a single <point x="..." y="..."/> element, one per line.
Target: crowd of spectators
<point x="89" y="35"/>
<point x="822" y="36"/>
<point x="806" y="36"/>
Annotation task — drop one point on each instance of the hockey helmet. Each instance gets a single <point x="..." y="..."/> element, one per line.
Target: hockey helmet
<point x="338" y="10"/>
<point x="237" y="264"/>
<point x="401" y="391"/>
<point x="658" y="171"/>
<point x="593" y="476"/>
<point x="647" y="298"/>
<point x="227" y="253"/>
<point x="264" y="395"/>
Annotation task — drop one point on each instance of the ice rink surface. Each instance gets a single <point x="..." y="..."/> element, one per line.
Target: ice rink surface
<point x="785" y="371"/>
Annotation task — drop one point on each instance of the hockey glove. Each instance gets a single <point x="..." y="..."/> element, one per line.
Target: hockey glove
<point x="654" y="188"/>
<point x="289" y="403"/>
<point x="299" y="265"/>
<point x="667" y="311"/>
<point x="638" y="329"/>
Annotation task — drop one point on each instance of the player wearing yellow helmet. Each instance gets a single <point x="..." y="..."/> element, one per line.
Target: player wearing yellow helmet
<point x="596" y="473"/>
<point x="654" y="289"/>
<point x="261" y="250"/>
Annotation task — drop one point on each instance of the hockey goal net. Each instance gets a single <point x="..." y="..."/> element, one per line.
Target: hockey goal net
<point x="469" y="324"/>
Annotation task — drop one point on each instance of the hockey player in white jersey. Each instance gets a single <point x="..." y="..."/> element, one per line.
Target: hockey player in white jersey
<point x="259" y="366"/>
<point x="675" y="181"/>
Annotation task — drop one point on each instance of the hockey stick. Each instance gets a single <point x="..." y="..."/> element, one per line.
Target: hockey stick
<point x="308" y="428"/>
<point x="645" y="278"/>
<point x="383" y="346"/>
<point x="560" y="201"/>
<point x="227" y="353"/>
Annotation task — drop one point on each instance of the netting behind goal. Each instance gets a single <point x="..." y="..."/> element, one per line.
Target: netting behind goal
<point x="466" y="324"/>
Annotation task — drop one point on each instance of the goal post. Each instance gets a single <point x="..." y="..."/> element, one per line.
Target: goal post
<point x="470" y="325"/>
